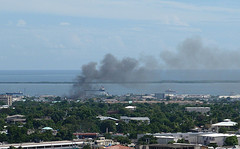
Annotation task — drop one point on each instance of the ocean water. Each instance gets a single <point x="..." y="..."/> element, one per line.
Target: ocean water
<point x="61" y="89"/>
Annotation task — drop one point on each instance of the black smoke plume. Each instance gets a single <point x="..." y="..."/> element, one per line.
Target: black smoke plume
<point x="110" y="70"/>
<point x="192" y="53"/>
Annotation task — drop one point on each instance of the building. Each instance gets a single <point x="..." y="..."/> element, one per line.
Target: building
<point x="225" y="123"/>
<point x="160" y="95"/>
<point x="7" y="99"/>
<point x="165" y="139"/>
<point x="172" y="146"/>
<point x="128" y="119"/>
<point x="16" y="96"/>
<point x="198" y="109"/>
<point x="215" y="138"/>
<point x="132" y="108"/>
<point x="85" y="135"/>
<point x="16" y="118"/>
<point x="102" y="118"/>
<point x="104" y="142"/>
<point x="119" y="147"/>
<point x="204" y="138"/>
<point x="42" y="145"/>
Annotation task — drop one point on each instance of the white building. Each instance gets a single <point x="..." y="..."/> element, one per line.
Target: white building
<point x="102" y="118"/>
<point x="165" y="139"/>
<point x="217" y="138"/>
<point x="105" y="142"/>
<point x="225" y="123"/>
<point x="198" y="109"/>
<point x="128" y="119"/>
<point x="132" y="108"/>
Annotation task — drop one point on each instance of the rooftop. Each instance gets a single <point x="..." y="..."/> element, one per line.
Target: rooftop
<point x="226" y="122"/>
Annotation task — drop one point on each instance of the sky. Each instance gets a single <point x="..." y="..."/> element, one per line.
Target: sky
<point x="65" y="34"/>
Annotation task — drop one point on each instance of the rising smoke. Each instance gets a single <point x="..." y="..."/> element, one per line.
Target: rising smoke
<point x="193" y="54"/>
<point x="190" y="54"/>
<point x="110" y="70"/>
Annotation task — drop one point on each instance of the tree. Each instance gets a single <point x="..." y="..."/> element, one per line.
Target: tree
<point x="213" y="145"/>
<point x="223" y="130"/>
<point x="108" y="125"/>
<point x="171" y="142"/>
<point x="87" y="147"/>
<point x="123" y="140"/>
<point x="182" y="141"/>
<point x="147" y="139"/>
<point x="231" y="141"/>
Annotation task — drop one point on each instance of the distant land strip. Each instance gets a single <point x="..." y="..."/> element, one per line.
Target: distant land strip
<point x="127" y="82"/>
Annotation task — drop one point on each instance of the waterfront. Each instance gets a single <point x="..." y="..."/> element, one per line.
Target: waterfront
<point x="61" y="89"/>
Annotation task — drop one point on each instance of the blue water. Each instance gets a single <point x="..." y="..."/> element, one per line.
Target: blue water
<point x="115" y="89"/>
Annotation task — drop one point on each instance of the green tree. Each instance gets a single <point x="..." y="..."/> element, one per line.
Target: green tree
<point x="87" y="147"/>
<point x="147" y="139"/>
<point x="108" y="125"/>
<point x="223" y="130"/>
<point x="182" y="141"/>
<point x="123" y="140"/>
<point x="213" y="145"/>
<point x="171" y="142"/>
<point x="231" y="141"/>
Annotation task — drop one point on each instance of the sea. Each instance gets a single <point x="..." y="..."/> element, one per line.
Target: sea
<point x="29" y="82"/>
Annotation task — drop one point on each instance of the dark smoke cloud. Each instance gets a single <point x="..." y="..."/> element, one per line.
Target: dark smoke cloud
<point x="193" y="54"/>
<point x="190" y="54"/>
<point x="110" y="70"/>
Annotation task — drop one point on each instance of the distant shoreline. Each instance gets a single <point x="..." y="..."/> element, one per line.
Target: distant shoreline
<point x="128" y="82"/>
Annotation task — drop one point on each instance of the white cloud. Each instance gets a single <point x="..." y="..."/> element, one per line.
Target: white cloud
<point x="64" y="24"/>
<point x="21" y="23"/>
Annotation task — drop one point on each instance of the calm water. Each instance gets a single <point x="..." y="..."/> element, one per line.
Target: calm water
<point x="70" y="75"/>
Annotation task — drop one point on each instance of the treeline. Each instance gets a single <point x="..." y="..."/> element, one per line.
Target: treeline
<point x="69" y="117"/>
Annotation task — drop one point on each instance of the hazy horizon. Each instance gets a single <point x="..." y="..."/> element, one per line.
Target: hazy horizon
<point x="62" y="35"/>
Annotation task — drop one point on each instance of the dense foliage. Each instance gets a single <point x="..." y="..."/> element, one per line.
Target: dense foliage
<point x="230" y="141"/>
<point x="68" y="117"/>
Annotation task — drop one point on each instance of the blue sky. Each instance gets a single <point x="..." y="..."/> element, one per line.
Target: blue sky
<point x="65" y="34"/>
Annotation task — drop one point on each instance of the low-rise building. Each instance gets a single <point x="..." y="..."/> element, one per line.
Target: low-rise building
<point x="165" y="139"/>
<point x="119" y="147"/>
<point x="172" y="146"/>
<point x="198" y="109"/>
<point x="132" y="108"/>
<point x="225" y="123"/>
<point x="127" y="119"/>
<point x="105" y="142"/>
<point x="42" y="145"/>
<point x="215" y="138"/>
<point x="16" y="118"/>
<point x="102" y="118"/>
<point x="85" y="135"/>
